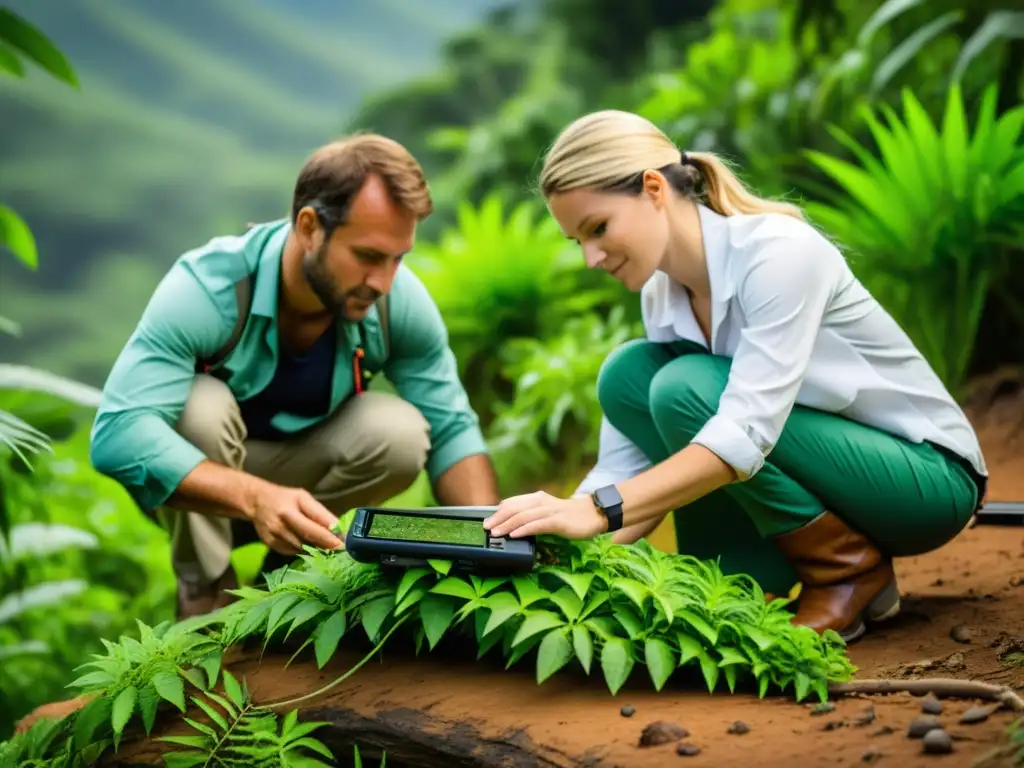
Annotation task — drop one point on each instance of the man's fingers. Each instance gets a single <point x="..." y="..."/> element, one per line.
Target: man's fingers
<point x="312" y="532"/>
<point x="285" y="543"/>
<point x="317" y="512"/>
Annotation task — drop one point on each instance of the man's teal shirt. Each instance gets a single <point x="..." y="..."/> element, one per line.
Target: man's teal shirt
<point x="191" y="315"/>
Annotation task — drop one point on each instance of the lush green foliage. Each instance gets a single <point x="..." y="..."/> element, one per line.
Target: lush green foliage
<point x="606" y="606"/>
<point x="940" y="212"/>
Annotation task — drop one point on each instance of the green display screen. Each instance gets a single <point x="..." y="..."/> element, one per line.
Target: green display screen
<point x="436" y="530"/>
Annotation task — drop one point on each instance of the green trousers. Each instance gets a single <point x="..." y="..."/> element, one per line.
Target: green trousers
<point x="906" y="498"/>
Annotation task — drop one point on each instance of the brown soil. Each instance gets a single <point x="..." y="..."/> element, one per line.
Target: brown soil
<point x="963" y="618"/>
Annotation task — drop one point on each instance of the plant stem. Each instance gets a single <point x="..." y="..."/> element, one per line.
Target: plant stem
<point x="342" y="678"/>
<point x="942" y="687"/>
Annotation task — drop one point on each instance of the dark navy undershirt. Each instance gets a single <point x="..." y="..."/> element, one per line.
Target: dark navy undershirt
<point x="301" y="386"/>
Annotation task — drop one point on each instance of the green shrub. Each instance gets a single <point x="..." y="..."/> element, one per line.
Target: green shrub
<point x="599" y="605"/>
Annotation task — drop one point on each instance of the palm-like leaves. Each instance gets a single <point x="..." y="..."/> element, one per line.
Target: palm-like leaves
<point x="939" y="210"/>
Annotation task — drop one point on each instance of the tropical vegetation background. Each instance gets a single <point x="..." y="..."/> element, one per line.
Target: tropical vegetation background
<point x="154" y="126"/>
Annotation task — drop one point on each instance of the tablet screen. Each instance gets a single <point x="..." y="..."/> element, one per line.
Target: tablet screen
<point x="436" y="530"/>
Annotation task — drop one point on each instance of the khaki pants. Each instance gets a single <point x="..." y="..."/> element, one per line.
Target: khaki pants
<point x="373" y="448"/>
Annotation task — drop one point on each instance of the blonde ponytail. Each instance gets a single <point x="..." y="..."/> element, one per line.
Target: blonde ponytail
<point x="727" y="195"/>
<point x="610" y="150"/>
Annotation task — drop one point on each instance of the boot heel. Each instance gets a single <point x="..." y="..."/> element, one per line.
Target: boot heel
<point x="886" y="605"/>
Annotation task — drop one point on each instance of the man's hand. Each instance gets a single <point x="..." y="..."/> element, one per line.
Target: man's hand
<point x="286" y="518"/>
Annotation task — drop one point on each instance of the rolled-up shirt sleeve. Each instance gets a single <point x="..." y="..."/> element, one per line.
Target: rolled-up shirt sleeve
<point x="783" y="294"/>
<point x="133" y="438"/>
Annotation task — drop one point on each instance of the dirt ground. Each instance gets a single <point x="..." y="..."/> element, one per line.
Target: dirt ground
<point x="962" y="617"/>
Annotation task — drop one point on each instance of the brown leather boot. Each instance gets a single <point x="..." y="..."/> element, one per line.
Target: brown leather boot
<point x="197" y="600"/>
<point x="845" y="578"/>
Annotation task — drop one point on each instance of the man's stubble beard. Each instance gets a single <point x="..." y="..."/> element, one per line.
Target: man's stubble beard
<point x="314" y="269"/>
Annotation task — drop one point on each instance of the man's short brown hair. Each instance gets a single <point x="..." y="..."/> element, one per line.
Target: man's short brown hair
<point x="333" y="175"/>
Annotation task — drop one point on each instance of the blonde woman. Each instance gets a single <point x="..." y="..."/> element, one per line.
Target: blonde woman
<point x="774" y="407"/>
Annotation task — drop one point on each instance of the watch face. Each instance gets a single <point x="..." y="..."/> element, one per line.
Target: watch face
<point x="608" y="496"/>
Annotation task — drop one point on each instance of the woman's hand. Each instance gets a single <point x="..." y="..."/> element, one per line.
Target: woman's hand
<point x="536" y="513"/>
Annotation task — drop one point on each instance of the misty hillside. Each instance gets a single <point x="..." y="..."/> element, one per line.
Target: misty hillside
<point x="192" y="119"/>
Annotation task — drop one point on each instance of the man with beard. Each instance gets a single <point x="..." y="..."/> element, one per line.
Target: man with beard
<point x="238" y="409"/>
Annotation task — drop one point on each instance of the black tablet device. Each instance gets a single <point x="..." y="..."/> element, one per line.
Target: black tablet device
<point x="404" y="537"/>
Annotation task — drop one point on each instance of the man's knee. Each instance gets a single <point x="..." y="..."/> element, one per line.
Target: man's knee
<point x="386" y="435"/>
<point x="212" y="421"/>
<point x="686" y="391"/>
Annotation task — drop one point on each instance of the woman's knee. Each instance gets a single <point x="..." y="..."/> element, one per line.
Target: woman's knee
<point x="626" y="374"/>
<point x="685" y="393"/>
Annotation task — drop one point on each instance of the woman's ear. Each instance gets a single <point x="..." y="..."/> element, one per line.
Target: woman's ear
<point x="655" y="187"/>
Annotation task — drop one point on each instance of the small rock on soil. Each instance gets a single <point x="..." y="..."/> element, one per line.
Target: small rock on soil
<point x="931" y="707"/>
<point x="937" y="742"/>
<point x="977" y="714"/>
<point x="661" y="732"/>
<point x="961" y="634"/>
<point x="871" y="755"/>
<point x="627" y="711"/>
<point x="739" y="728"/>
<point x="687" y="750"/>
<point x="920" y="726"/>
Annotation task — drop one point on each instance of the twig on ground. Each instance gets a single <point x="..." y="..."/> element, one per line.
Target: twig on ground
<point x="942" y="687"/>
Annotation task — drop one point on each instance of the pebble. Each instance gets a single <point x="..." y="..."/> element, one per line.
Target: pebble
<point x="937" y="742"/>
<point x="871" y="755"/>
<point x="976" y="715"/>
<point x="919" y="726"/>
<point x="687" y="750"/>
<point x="823" y="708"/>
<point x="961" y="634"/>
<point x="627" y="711"/>
<point x="661" y="732"/>
<point x="931" y="707"/>
<point x="739" y="728"/>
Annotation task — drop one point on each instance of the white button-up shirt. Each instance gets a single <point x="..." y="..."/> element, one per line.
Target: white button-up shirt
<point x="800" y="329"/>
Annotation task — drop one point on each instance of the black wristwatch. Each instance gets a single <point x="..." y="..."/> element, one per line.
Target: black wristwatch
<point x="609" y="501"/>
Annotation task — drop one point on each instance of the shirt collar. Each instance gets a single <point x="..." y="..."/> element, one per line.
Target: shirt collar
<point x="715" y="231"/>
<point x="270" y="248"/>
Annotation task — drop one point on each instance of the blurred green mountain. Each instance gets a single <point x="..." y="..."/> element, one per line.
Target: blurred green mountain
<point x="193" y="118"/>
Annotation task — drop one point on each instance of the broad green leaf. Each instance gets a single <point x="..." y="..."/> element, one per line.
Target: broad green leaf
<point x="327" y="635"/>
<point x="579" y="582"/>
<point x="554" y="652"/>
<point x="660" y="661"/>
<point x="568" y="603"/>
<point x="409" y="579"/>
<point x="373" y="615"/>
<point x="124" y="706"/>
<point x="629" y="620"/>
<point x="503" y="606"/>
<point x="436" y="613"/>
<point x="700" y="625"/>
<point x="634" y="590"/>
<point x="583" y="645"/>
<point x="16" y="236"/>
<point x="536" y="621"/>
<point x="454" y="586"/>
<point x="412" y="597"/>
<point x="528" y="590"/>
<point x="24" y="37"/>
<point x="168" y="686"/>
<point x="9" y="61"/>
<point x="442" y="567"/>
<point x="710" y="670"/>
<point x="616" y="663"/>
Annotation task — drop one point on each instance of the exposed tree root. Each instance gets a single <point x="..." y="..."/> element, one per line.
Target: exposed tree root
<point x="941" y="687"/>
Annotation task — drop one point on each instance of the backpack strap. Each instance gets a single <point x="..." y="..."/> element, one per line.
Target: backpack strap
<point x="383" y="306"/>
<point x="243" y="292"/>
